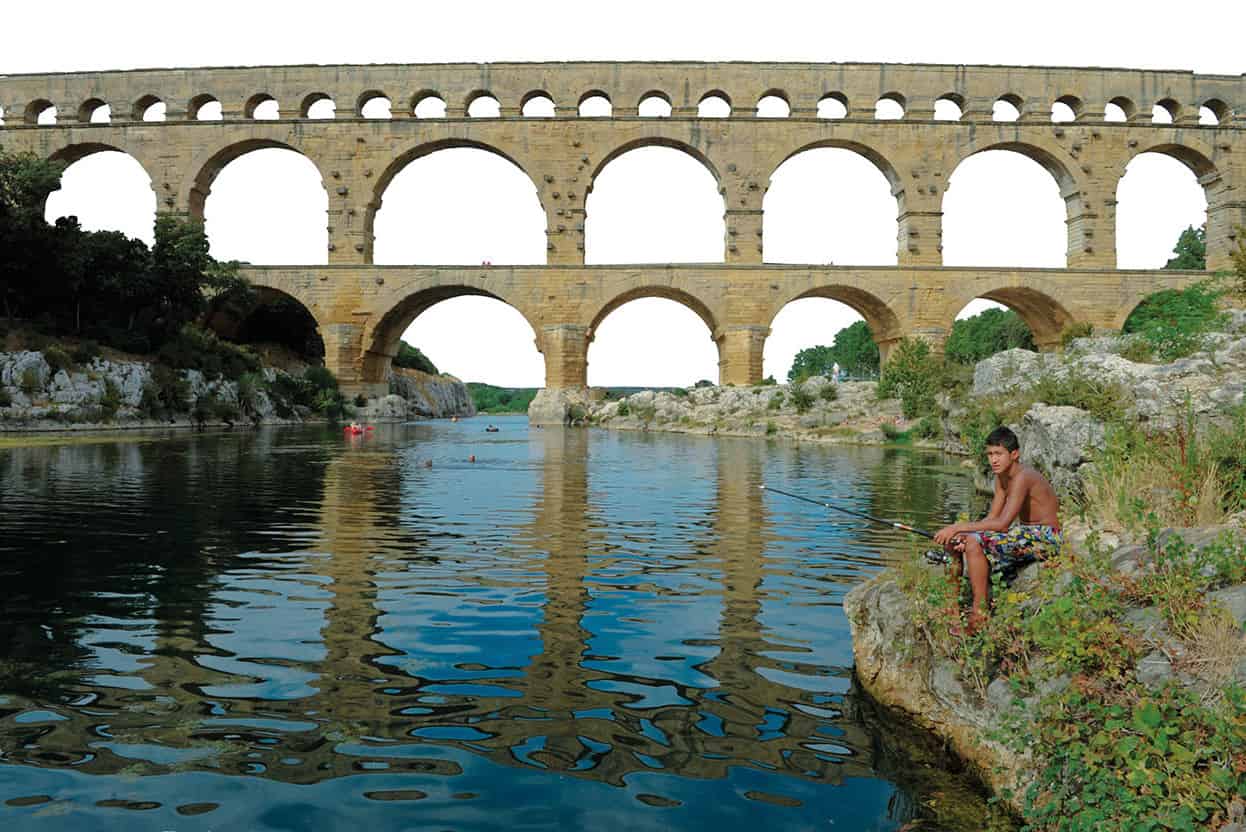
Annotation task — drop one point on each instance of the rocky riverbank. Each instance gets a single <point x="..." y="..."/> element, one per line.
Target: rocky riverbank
<point x="110" y="394"/>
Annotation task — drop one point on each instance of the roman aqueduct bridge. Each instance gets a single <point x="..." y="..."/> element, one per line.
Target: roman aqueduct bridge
<point x="362" y="309"/>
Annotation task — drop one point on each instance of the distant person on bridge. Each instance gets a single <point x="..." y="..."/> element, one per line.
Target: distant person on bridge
<point x="1022" y="526"/>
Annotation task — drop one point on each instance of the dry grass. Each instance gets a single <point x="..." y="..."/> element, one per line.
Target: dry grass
<point x="1214" y="648"/>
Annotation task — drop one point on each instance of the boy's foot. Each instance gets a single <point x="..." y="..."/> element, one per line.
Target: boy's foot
<point x="976" y="622"/>
<point x="938" y="557"/>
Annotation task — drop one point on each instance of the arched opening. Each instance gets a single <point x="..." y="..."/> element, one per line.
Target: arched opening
<point x="633" y="342"/>
<point x="1003" y="208"/>
<point x="107" y="190"/>
<point x="428" y="104"/>
<point x="1006" y="318"/>
<point x="204" y="108"/>
<point x="538" y="105"/>
<point x="264" y="204"/>
<point x="595" y="105"/>
<point x="275" y="325"/>
<point x="1158" y="197"/>
<point x="833" y="105"/>
<point x="318" y="105"/>
<point x="449" y="324"/>
<point x="262" y="107"/>
<point x="654" y="204"/>
<point x="149" y="108"/>
<point x="1006" y="108"/>
<point x="811" y="336"/>
<point x="654" y="105"/>
<point x="94" y="111"/>
<point x="483" y="105"/>
<point x="41" y="112"/>
<point x="889" y="107"/>
<point x="949" y="107"/>
<point x="374" y="104"/>
<point x="458" y="205"/>
<point x="1" y="115"/>
<point x="1165" y="112"/>
<point x="1214" y="112"/>
<point x="773" y="104"/>
<point x="984" y="327"/>
<point x="1066" y="108"/>
<point x="714" y="105"/>
<point x="829" y="205"/>
<point x="1119" y="109"/>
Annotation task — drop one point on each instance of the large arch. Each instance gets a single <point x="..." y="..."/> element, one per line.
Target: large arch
<point x="209" y="164"/>
<point x="227" y="320"/>
<point x="398" y="309"/>
<point x="295" y="185"/>
<point x="839" y="162"/>
<point x="687" y="300"/>
<point x="960" y="243"/>
<point x="709" y="241"/>
<point x="538" y="215"/>
<point x="1036" y="303"/>
<point x="1207" y="178"/>
<point x="107" y="188"/>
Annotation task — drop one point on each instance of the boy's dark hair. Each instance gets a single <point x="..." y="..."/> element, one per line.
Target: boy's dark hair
<point x="1004" y="438"/>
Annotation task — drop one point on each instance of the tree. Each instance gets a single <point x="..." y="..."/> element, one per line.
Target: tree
<point x="990" y="331"/>
<point x="1191" y="250"/>
<point x="811" y="361"/>
<point x="411" y="358"/>
<point x="853" y="349"/>
<point x="912" y="375"/>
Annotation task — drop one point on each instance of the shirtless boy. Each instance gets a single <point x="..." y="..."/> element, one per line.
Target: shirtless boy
<point x="1022" y="495"/>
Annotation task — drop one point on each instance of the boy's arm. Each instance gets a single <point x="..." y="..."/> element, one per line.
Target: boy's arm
<point x="998" y="503"/>
<point x="1012" y="500"/>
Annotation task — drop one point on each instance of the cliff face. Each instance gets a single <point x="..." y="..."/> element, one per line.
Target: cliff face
<point x="428" y="396"/>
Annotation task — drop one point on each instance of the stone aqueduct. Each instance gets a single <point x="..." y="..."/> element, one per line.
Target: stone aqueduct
<point x="361" y="308"/>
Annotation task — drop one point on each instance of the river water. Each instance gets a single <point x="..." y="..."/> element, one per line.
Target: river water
<point x="294" y="630"/>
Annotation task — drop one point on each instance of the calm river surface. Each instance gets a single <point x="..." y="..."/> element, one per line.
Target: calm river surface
<point x="292" y="630"/>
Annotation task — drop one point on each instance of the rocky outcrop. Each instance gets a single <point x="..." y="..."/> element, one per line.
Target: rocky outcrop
<point x="814" y="410"/>
<point x="897" y="665"/>
<point x="422" y="395"/>
<point x="558" y="407"/>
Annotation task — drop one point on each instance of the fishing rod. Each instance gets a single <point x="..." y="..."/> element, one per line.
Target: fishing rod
<point x="861" y="514"/>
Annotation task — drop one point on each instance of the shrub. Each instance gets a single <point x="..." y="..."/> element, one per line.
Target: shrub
<point x="829" y="392"/>
<point x="1173" y="322"/>
<point x="911" y="375"/>
<point x="196" y="348"/>
<point x="411" y="357"/>
<point x="776" y="401"/>
<point x="768" y="381"/>
<point x="927" y="428"/>
<point x="171" y="389"/>
<point x="623" y="410"/>
<point x="57" y="359"/>
<point x="149" y="404"/>
<point x="6" y="398"/>
<point x="801" y="398"/>
<point x="31" y="381"/>
<point x="771" y="428"/>
<point x="1078" y="329"/>
<point x="680" y="393"/>
<point x="361" y="400"/>
<point x="705" y="382"/>
<point x="110" y="399"/>
<point x="86" y="352"/>
<point x="321" y="378"/>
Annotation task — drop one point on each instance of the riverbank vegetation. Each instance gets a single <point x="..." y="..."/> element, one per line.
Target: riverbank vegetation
<point x="79" y="296"/>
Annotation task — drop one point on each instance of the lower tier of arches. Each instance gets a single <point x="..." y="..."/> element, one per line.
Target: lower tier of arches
<point x="362" y="311"/>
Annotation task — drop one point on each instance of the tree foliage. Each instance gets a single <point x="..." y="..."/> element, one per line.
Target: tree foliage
<point x="411" y="358"/>
<point x="990" y="331"/>
<point x="1191" y="250"/>
<point x="912" y="375"/>
<point x="853" y="349"/>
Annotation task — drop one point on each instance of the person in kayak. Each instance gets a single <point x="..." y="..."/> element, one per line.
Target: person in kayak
<point x="1022" y="526"/>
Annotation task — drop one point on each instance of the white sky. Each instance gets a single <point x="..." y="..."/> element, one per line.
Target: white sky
<point x="823" y="206"/>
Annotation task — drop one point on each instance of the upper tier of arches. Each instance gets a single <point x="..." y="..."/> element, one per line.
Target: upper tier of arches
<point x="798" y="90"/>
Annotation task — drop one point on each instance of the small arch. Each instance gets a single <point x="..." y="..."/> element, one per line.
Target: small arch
<point x="41" y="111"/>
<point x="654" y="104"/>
<point x="949" y="107"/>
<point x="1006" y="108"/>
<point x="94" y="111"/>
<point x="482" y="104"/>
<point x="1214" y="112"/>
<point x="145" y="109"/>
<point x="318" y="105"/>
<point x="774" y="104"/>
<point x="261" y="106"/>
<point x="714" y="104"/>
<point x="1165" y="111"/>
<point x="428" y="104"/>
<point x="595" y="104"/>
<point x="889" y="107"/>
<point x="833" y="105"/>
<point x="1119" y="109"/>
<point x="373" y="104"/>
<point x="537" y="104"/>
<point x="1066" y="108"/>
<point x="204" y="108"/>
